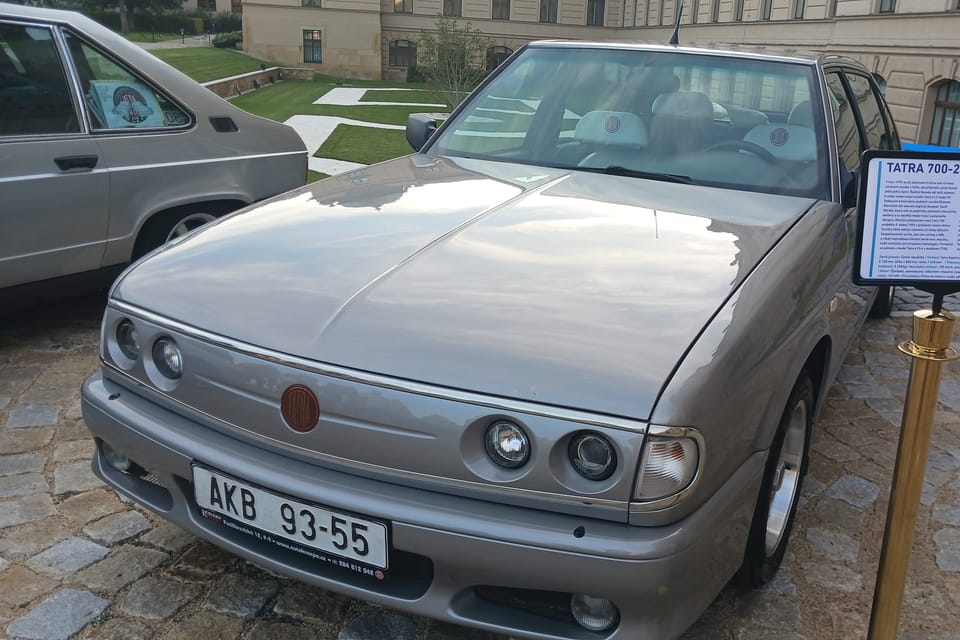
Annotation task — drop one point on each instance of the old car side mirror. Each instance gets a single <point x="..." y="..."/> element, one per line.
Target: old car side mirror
<point x="419" y="129"/>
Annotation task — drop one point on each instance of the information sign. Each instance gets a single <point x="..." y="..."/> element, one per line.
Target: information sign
<point x="909" y="220"/>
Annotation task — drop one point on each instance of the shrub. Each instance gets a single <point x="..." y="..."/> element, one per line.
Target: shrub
<point x="228" y="40"/>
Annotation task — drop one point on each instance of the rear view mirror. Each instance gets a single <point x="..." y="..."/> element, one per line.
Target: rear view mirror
<point x="419" y="129"/>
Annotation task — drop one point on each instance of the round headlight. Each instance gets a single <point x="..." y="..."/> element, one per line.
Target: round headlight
<point x="127" y="340"/>
<point x="167" y="358"/>
<point x="507" y="445"/>
<point x="592" y="456"/>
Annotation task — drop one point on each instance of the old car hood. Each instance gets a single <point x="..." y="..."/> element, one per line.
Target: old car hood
<point x="564" y="288"/>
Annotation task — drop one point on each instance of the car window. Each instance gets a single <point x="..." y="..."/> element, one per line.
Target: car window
<point x="871" y="114"/>
<point x="117" y="98"/>
<point x="715" y="120"/>
<point x="34" y="91"/>
<point x="849" y="145"/>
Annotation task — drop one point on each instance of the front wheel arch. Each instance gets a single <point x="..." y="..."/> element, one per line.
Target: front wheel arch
<point x="156" y="230"/>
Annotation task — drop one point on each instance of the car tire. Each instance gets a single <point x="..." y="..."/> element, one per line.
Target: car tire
<point x="170" y="225"/>
<point x="883" y="303"/>
<point x="780" y="490"/>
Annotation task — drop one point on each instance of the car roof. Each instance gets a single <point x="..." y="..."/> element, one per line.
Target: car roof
<point x="756" y="52"/>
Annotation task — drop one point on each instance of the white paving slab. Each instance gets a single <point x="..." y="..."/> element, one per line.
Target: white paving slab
<point x="314" y="131"/>
<point x="349" y="97"/>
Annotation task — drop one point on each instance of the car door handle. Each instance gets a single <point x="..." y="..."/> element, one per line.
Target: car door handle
<point x="66" y="163"/>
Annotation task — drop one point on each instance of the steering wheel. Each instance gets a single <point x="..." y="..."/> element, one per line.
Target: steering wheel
<point x="743" y="145"/>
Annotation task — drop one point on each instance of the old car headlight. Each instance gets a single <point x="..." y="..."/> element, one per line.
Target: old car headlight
<point x="507" y="445"/>
<point x="592" y="455"/>
<point x="667" y="467"/>
<point x="167" y="358"/>
<point x="127" y="340"/>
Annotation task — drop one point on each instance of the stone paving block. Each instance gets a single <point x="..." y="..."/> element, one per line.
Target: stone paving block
<point x="443" y="631"/>
<point x="833" y="545"/>
<point x="73" y="431"/>
<point x="24" y="484"/>
<point x="29" y="539"/>
<point x="59" y="616"/>
<point x="4" y="565"/>
<point x="4" y="401"/>
<point x="19" y="585"/>
<point x="122" y="629"/>
<point x="833" y="577"/>
<point x="206" y="626"/>
<point x="157" y="598"/>
<point x="23" y="440"/>
<point x="120" y="568"/>
<point x="75" y="477"/>
<point x="312" y="604"/>
<point x="375" y="622"/>
<point x="869" y="391"/>
<point x="74" y="411"/>
<point x="945" y="514"/>
<point x="117" y="528"/>
<point x="840" y="514"/>
<point x="758" y="634"/>
<point x="44" y="395"/>
<point x="86" y="507"/>
<point x="948" y="549"/>
<point x="240" y="595"/>
<point x="169" y="536"/>
<point x="67" y="557"/>
<point x="768" y="610"/>
<point x="781" y="584"/>
<point x="27" y="509"/>
<point x="854" y="490"/>
<point x="39" y="415"/>
<point x="22" y="463"/>
<point x="202" y="561"/>
<point x="273" y="630"/>
<point x="74" y="450"/>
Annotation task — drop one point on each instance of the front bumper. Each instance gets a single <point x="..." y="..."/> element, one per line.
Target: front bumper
<point x="446" y="551"/>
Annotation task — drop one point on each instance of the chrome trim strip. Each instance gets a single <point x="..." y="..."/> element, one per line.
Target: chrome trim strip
<point x="429" y="481"/>
<point x="182" y="163"/>
<point x="638" y="507"/>
<point x="394" y="384"/>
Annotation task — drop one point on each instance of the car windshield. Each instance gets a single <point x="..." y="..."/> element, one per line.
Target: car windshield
<point x="692" y="117"/>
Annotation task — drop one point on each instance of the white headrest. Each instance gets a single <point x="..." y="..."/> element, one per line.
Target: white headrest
<point x="684" y="104"/>
<point x="785" y="141"/>
<point x="612" y="127"/>
<point x="801" y="114"/>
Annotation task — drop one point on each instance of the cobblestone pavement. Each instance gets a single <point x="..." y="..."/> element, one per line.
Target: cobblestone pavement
<point x="75" y="561"/>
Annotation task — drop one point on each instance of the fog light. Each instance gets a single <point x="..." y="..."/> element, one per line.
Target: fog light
<point x="167" y="358"/>
<point x="667" y="467"/>
<point x="115" y="459"/>
<point x="127" y="340"/>
<point x="592" y="456"/>
<point x="507" y="445"/>
<point x="595" y="614"/>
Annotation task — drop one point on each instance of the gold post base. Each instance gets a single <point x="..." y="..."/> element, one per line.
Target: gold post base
<point x="930" y="348"/>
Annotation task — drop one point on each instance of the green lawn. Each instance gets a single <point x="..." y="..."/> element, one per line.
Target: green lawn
<point x="422" y="96"/>
<point x="313" y="176"/>
<point x="364" y="144"/>
<point x="209" y="63"/>
<point x="151" y="36"/>
<point x="293" y="97"/>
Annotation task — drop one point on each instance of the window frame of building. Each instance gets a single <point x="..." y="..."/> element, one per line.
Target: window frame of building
<point x="549" y="10"/>
<point x="942" y="106"/>
<point x="715" y="11"/>
<point x="311" y="3"/>
<point x="496" y="54"/>
<point x="595" y="16"/>
<point x="799" y="8"/>
<point x="695" y="11"/>
<point x="308" y="43"/>
<point x="500" y="9"/>
<point x="766" y="9"/>
<point x="403" y="6"/>
<point x="453" y="8"/>
<point x="738" y="11"/>
<point x="887" y="6"/>
<point x="395" y="49"/>
<point x="210" y="6"/>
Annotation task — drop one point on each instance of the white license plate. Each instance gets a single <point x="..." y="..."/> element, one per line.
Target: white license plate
<point x="333" y="532"/>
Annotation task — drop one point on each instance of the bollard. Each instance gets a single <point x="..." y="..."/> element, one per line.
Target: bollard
<point x="930" y="348"/>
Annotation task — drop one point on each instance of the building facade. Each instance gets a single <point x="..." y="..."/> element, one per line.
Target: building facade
<point x="914" y="44"/>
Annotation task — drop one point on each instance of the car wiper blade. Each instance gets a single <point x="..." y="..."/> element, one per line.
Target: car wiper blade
<point x="617" y="170"/>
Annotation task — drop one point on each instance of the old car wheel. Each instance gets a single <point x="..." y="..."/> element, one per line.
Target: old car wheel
<point x="883" y="303"/>
<point x="780" y="491"/>
<point x="170" y="225"/>
<point x="188" y="224"/>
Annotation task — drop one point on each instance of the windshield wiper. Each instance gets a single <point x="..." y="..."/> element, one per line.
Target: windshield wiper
<point x="617" y="170"/>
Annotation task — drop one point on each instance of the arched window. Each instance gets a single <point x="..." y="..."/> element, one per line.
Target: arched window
<point x="946" y="115"/>
<point x="402" y="53"/>
<point x="496" y="55"/>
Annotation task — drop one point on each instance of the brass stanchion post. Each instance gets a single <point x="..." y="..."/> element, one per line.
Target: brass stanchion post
<point x="930" y="348"/>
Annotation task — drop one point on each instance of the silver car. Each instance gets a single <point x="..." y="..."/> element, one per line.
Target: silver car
<point x="553" y="376"/>
<point x="106" y="152"/>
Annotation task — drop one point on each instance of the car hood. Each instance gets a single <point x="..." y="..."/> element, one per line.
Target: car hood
<point x="563" y="288"/>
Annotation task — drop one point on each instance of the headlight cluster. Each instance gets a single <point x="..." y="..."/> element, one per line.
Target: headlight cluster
<point x="591" y="454"/>
<point x="668" y="466"/>
<point x="164" y="362"/>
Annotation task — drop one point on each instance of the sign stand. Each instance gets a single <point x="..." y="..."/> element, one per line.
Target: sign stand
<point x="909" y="234"/>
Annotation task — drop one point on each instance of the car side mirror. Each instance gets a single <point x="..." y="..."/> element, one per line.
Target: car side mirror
<point x="419" y="129"/>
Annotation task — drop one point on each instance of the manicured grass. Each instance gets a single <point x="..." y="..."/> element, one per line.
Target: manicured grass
<point x="313" y="176"/>
<point x="151" y="36"/>
<point x="295" y="97"/>
<point x="209" y="63"/>
<point x="425" y="97"/>
<point x="364" y="144"/>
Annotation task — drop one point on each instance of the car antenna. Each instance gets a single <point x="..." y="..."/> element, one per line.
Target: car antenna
<point x="675" y="38"/>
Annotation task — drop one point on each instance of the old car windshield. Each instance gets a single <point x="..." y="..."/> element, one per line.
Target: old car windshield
<point x="736" y="122"/>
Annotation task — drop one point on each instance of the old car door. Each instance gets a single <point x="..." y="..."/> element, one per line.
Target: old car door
<point x="54" y="191"/>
